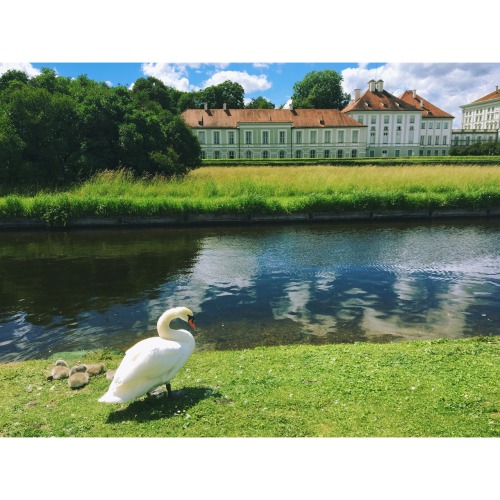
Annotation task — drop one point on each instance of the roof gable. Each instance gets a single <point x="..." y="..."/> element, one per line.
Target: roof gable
<point x="492" y="95"/>
<point x="428" y="109"/>
<point x="377" y="100"/>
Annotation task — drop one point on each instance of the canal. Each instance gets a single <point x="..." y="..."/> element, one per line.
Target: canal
<point x="255" y="285"/>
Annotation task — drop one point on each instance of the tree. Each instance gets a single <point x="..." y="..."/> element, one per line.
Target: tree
<point x="146" y="90"/>
<point x="260" y="103"/>
<point x="320" y="90"/>
<point x="12" y="75"/>
<point x="228" y="92"/>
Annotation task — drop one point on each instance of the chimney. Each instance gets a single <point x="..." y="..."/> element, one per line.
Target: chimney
<point x="380" y="85"/>
<point x="357" y="94"/>
<point x="414" y="94"/>
<point x="224" y="106"/>
<point x="205" y="106"/>
<point x="371" y="85"/>
<point x="291" y="106"/>
<point x="421" y="103"/>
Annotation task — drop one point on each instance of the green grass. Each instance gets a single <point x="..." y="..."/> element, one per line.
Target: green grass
<point x="270" y="190"/>
<point x="446" y="388"/>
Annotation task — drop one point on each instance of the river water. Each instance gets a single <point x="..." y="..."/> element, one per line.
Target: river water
<point x="249" y="286"/>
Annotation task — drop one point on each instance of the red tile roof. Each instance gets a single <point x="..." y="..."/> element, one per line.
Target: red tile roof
<point x="299" y="118"/>
<point x="378" y="101"/>
<point x="493" y="95"/>
<point x="428" y="109"/>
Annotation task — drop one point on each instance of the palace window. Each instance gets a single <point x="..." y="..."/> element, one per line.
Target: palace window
<point x="282" y="154"/>
<point x="328" y="136"/>
<point x="248" y="137"/>
<point x="231" y="155"/>
<point x="298" y="136"/>
<point x="386" y="119"/>
<point x="217" y="155"/>
<point x="216" y="137"/>
<point x="326" y="153"/>
<point x="339" y="153"/>
<point x="201" y="137"/>
<point x="313" y="136"/>
<point x="340" y="136"/>
<point x="282" y="137"/>
<point x="265" y="154"/>
<point x="298" y="153"/>
<point x="265" y="137"/>
<point x="354" y="153"/>
<point x="373" y="119"/>
<point x="230" y="137"/>
<point x="248" y="154"/>
<point x="355" y="135"/>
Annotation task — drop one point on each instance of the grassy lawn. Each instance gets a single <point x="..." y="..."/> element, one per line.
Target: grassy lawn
<point x="270" y="190"/>
<point x="408" y="389"/>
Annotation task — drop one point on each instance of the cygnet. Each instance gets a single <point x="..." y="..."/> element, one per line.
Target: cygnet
<point x="59" y="371"/>
<point x="78" y="380"/>
<point x="95" y="369"/>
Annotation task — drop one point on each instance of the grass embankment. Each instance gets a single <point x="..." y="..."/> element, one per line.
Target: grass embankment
<point x="269" y="190"/>
<point x="436" y="388"/>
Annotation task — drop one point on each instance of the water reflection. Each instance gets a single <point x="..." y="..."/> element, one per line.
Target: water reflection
<point x="257" y="285"/>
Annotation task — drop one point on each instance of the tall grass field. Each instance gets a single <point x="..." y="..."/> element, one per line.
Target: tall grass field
<point x="263" y="190"/>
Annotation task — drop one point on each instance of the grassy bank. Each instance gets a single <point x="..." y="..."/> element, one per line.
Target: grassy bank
<point x="269" y="190"/>
<point x="435" y="388"/>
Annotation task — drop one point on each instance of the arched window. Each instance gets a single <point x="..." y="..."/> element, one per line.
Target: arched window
<point x="265" y="154"/>
<point x="282" y="154"/>
<point x="298" y="153"/>
<point x="248" y="154"/>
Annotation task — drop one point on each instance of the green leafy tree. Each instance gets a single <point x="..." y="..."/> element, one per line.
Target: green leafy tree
<point x="46" y="125"/>
<point x="260" y="103"/>
<point x="320" y="90"/>
<point x="147" y="90"/>
<point x="11" y="76"/>
<point x="230" y="93"/>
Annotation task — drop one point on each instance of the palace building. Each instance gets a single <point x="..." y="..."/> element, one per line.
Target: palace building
<point x="374" y="124"/>
<point x="480" y="121"/>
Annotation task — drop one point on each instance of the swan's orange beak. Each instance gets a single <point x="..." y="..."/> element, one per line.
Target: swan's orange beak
<point x="191" y="323"/>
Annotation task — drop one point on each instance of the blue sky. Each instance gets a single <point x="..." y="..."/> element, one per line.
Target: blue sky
<point x="262" y="46"/>
<point x="447" y="85"/>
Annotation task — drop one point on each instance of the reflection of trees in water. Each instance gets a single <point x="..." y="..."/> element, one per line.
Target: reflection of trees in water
<point x="45" y="275"/>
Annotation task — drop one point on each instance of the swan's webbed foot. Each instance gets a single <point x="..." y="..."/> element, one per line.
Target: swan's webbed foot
<point x="169" y="390"/>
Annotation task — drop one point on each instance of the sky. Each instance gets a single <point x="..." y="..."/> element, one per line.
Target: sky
<point x="446" y="85"/>
<point x="263" y="47"/>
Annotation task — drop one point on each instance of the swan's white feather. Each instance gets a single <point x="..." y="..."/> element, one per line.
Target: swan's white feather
<point x="148" y="364"/>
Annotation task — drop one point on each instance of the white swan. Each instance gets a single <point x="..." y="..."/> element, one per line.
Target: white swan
<point x="154" y="361"/>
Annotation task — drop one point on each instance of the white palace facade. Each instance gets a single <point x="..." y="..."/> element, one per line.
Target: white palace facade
<point x="375" y="124"/>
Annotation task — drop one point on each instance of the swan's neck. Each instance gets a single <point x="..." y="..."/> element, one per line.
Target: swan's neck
<point x="167" y="333"/>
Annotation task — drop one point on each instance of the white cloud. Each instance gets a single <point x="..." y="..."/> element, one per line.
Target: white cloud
<point x="172" y="75"/>
<point x="446" y="85"/>
<point x="250" y="83"/>
<point x="24" y="67"/>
